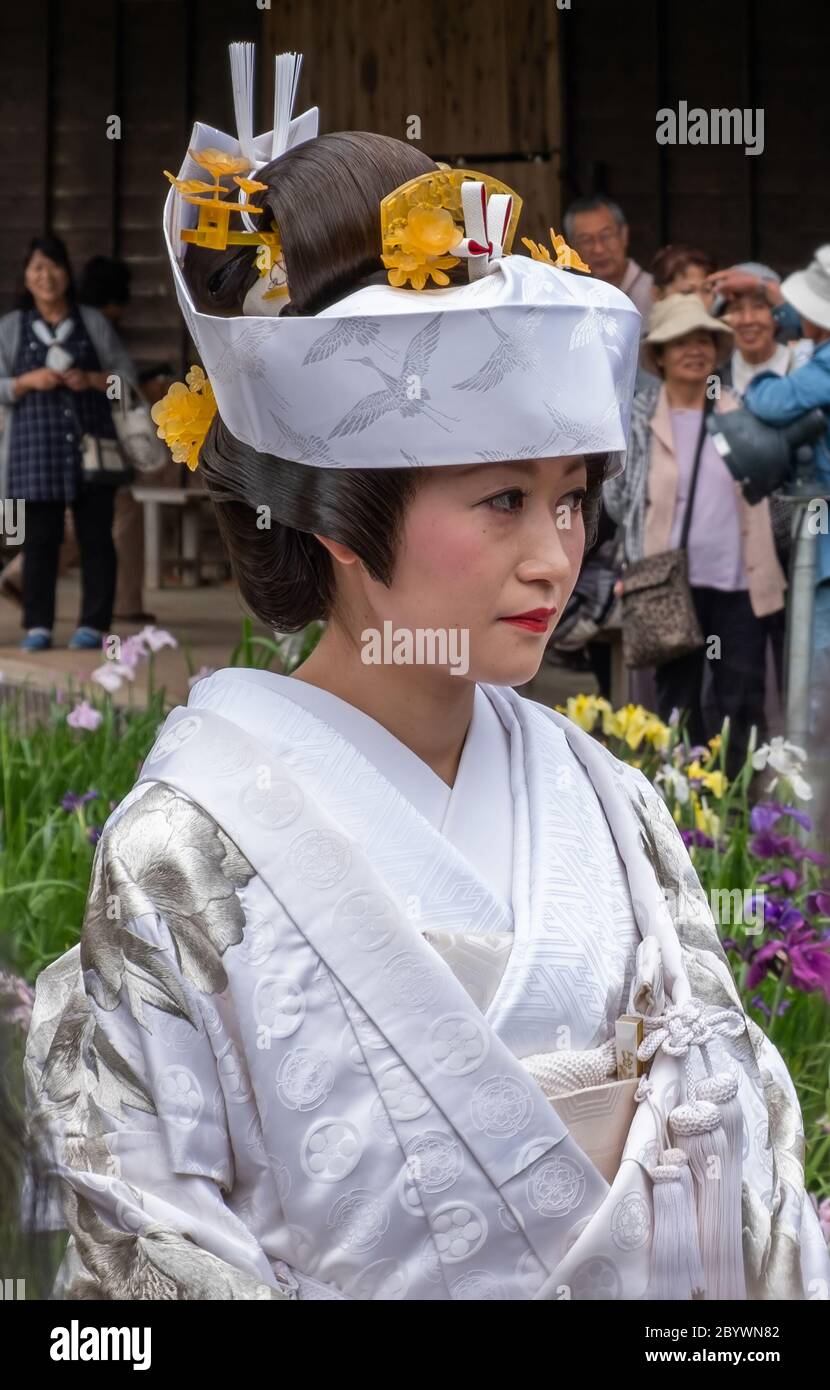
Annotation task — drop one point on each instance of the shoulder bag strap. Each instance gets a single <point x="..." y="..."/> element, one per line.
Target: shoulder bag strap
<point x="701" y="439"/>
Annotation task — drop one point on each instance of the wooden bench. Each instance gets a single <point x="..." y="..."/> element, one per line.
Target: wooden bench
<point x="190" y="501"/>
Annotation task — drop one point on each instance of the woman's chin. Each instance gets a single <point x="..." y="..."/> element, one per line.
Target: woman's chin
<point x="515" y="669"/>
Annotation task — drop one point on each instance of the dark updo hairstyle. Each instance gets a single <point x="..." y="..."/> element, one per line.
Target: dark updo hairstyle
<point x="324" y="198"/>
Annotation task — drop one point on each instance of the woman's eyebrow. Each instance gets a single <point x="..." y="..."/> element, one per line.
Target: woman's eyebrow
<point x="525" y="466"/>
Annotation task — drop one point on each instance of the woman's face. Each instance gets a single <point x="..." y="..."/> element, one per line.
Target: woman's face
<point x="482" y="544"/>
<point x="45" y="280"/>
<point x="691" y="358"/>
<point x="691" y="280"/>
<point x="750" y="316"/>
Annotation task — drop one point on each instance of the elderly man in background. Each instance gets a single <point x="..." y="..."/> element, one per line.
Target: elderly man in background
<point x="597" y="229"/>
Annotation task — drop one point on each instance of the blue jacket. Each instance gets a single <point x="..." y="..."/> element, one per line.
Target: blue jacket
<point x="778" y="400"/>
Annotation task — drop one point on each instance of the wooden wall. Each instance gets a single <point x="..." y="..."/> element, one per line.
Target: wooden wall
<point x="481" y="75"/>
<point x="621" y="63"/>
<point x="556" y="102"/>
<point x="66" y="67"/>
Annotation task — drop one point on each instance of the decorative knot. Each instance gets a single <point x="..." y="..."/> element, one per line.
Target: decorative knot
<point x="682" y="1026"/>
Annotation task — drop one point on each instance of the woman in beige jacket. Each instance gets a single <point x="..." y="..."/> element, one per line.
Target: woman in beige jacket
<point x="734" y="573"/>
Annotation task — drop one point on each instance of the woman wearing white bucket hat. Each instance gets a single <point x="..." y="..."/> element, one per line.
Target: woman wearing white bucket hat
<point x="734" y="573"/>
<point x="780" y="400"/>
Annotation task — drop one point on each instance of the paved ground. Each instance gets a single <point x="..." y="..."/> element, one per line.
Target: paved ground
<point x="207" y="621"/>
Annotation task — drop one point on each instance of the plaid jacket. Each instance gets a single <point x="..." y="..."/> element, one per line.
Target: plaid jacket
<point x="39" y="450"/>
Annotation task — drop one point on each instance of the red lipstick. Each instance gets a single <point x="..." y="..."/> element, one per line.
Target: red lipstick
<point x="535" y="620"/>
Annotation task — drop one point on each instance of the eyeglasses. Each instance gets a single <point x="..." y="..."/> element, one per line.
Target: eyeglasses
<point x="605" y="238"/>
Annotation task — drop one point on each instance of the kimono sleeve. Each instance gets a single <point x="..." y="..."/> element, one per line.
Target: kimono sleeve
<point x="792" y="1258"/>
<point x="125" y="1095"/>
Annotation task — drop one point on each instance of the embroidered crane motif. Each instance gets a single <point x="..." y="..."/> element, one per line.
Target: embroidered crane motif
<point x="588" y="437"/>
<point x="513" y="353"/>
<point x="405" y="393"/>
<point x="594" y="322"/>
<point x="307" y="448"/>
<point x="525" y="451"/>
<point x="343" y="334"/>
<point x="242" y="358"/>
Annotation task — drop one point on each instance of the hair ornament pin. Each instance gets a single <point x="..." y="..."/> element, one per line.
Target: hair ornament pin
<point x="183" y="416"/>
<point x="215" y="210"/>
<point x="566" y="257"/>
<point x="432" y="222"/>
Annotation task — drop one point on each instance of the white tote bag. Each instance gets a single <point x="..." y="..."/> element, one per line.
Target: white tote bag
<point x="137" y="433"/>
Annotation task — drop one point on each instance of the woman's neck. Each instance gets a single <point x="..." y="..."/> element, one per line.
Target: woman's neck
<point x="758" y="355"/>
<point x="52" y="310"/>
<point x="428" y="714"/>
<point x="686" y="395"/>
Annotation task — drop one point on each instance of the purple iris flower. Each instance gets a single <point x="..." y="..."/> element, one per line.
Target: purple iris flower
<point x="782" y="878"/>
<point x="818" y="903"/>
<point x="765" y="815"/>
<point x="815" y="856"/>
<point x="807" y="956"/>
<point x="767" y="845"/>
<point x="765" y="1008"/>
<point x="71" y="801"/>
<point x="698" y="839"/>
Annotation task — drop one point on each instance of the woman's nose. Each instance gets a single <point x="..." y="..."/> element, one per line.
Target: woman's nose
<point x="547" y="557"/>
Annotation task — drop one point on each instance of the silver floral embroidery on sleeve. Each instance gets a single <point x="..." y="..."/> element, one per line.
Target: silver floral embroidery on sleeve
<point x="164" y="855"/>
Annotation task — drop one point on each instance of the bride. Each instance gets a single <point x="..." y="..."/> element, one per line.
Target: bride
<point x="369" y="948"/>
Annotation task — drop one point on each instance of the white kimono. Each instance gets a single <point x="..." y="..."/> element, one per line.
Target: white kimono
<point x="327" y="1015"/>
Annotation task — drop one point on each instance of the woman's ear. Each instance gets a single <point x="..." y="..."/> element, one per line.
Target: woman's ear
<point x="337" y="550"/>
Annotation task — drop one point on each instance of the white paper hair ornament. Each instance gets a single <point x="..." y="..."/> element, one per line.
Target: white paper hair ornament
<point x="524" y="361"/>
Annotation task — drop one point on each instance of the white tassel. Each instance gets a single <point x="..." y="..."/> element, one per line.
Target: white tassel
<point x="286" y="81"/>
<point x="722" y="1090"/>
<point x="676" y="1271"/>
<point x="242" y="78"/>
<point x="699" y="1130"/>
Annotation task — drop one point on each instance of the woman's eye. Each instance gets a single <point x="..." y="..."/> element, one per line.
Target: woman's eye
<point x="501" y="502"/>
<point x="574" y="499"/>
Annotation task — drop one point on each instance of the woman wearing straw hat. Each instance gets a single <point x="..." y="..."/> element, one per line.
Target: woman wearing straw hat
<point x="734" y="573"/>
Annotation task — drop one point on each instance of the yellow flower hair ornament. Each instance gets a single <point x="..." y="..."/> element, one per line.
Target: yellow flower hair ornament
<point x="184" y="415"/>
<point x="566" y="257"/>
<point x="438" y="219"/>
<point x="418" y="250"/>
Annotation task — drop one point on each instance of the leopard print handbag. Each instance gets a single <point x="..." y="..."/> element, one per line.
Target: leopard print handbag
<point x="659" y="621"/>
